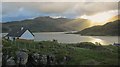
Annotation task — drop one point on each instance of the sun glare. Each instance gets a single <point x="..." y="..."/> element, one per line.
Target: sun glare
<point x="95" y="39"/>
<point x="100" y="18"/>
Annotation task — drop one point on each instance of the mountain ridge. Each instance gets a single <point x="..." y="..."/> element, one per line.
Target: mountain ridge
<point x="49" y="24"/>
<point x="45" y="24"/>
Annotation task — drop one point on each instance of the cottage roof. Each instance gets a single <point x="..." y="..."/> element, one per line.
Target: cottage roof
<point x="18" y="32"/>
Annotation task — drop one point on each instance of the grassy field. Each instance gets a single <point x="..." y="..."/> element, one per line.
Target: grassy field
<point x="84" y="53"/>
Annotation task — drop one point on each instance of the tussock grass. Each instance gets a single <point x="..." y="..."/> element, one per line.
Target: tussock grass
<point x="84" y="53"/>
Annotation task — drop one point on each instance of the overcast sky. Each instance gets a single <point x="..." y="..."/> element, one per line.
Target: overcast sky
<point x="60" y="0"/>
<point x="12" y="11"/>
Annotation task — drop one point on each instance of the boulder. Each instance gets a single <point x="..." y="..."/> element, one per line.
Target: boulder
<point x="10" y="61"/>
<point x="22" y="57"/>
<point x="44" y="59"/>
<point x="36" y="58"/>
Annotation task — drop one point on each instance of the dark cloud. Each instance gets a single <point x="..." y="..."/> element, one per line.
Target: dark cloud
<point x="68" y="9"/>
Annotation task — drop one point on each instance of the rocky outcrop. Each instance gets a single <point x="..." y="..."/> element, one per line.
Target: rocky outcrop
<point x="22" y="58"/>
<point x="10" y="61"/>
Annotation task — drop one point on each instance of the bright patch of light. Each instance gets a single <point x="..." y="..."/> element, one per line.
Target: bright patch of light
<point x="101" y="17"/>
<point x="98" y="40"/>
<point x="57" y="17"/>
<point x="94" y="40"/>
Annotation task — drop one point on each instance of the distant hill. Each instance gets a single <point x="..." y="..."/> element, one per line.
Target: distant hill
<point x="110" y="29"/>
<point x="47" y="24"/>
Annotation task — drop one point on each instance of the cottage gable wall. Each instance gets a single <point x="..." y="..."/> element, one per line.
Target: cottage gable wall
<point x="27" y="35"/>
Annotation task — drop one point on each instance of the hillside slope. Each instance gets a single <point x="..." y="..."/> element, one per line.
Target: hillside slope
<point x="110" y="29"/>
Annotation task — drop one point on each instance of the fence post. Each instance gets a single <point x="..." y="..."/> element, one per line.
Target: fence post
<point x="28" y="46"/>
<point x="34" y="46"/>
<point x="18" y="45"/>
<point x="25" y="46"/>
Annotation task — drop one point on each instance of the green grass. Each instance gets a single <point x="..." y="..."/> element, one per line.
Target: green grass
<point x="79" y="54"/>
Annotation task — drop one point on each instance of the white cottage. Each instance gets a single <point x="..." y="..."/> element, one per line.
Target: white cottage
<point x="23" y="33"/>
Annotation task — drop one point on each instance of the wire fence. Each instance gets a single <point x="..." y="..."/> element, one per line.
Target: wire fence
<point x="20" y="45"/>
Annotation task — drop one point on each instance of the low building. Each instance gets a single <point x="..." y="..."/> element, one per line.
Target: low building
<point x="20" y="34"/>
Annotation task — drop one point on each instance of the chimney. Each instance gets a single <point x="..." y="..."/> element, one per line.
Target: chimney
<point x="22" y="28"/>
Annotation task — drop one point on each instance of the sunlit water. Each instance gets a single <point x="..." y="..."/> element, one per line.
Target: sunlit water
<point x="74" y="38"/>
